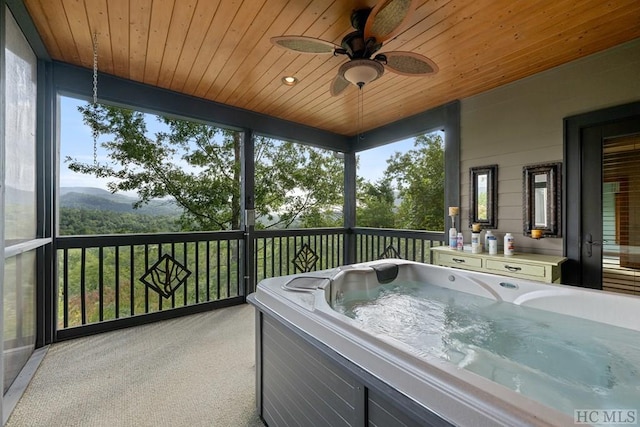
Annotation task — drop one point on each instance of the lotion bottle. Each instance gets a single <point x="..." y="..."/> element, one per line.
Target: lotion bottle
<point x="508" y="244"/>
<point x="475" y="243"/>
<point x="453" y="238"/>
<point x="487" y="235"/>
<point x="493" y="245"/>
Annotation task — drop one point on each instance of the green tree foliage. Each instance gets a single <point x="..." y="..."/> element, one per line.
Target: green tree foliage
<point x="376" y="205"/>
<point x="76" y="221"/>
<point x="317" y="218"/>
<point x="297" y="183"/>
<point x="419" y="174"/>
<point x="199" y="166"/>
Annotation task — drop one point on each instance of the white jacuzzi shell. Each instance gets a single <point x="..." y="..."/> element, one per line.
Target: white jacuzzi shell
<point x="454" y="394"/>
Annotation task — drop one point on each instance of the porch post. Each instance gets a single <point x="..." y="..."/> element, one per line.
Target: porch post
<point x="46" y="283"/>
<point x="349" y="210"/>
<point x="451" y="158"/>
<point x="247" y="208"/>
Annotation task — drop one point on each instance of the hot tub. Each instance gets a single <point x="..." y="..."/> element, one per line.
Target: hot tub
<point x="394" y="342"/>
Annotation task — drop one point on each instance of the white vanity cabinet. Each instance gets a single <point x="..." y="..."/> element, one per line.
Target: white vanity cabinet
<point x="543" y="268"/>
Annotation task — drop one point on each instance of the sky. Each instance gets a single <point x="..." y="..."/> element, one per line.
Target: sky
<point x="77" y="143"/>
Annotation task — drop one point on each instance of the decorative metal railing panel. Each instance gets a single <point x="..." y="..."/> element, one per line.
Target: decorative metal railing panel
<point x="374" y="243"/>
<point x="103" y="278"/>
<point x="166" y="276"/>
<point x="282" y="252"/>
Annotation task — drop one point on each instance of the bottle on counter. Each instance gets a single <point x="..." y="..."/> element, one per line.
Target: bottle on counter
<point x="508" y="244"/>
<point x="487" y="234"/>
<point x="475" y="243"/>
<point x="493" y="245"/>
<point x="460" y="242"/>
<point x="453" y="238"/>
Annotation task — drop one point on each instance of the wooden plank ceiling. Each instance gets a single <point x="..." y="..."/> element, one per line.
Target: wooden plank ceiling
<point x="220" y="49"/>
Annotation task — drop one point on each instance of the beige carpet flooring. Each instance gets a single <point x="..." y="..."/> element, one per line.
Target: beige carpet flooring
<point x="196" y="370"/>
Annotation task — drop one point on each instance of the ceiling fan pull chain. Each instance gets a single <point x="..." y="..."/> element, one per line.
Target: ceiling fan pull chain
<point x="94" y="105"/>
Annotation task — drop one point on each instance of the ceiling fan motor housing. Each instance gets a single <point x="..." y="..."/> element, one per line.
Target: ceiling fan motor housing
<point x="354" y="44"/>
<point x="359" y="18"/>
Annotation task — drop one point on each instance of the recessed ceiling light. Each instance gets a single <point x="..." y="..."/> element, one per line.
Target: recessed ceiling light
<point x="289" y="80"/>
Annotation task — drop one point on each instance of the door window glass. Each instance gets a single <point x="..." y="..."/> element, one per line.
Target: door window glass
<point x="621" y="214"/>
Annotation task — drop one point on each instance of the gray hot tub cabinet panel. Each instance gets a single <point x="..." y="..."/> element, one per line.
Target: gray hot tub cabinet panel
<point x="301" y="382"/>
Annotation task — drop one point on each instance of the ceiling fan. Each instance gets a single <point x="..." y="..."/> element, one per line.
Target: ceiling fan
<point x="373" y="26"/>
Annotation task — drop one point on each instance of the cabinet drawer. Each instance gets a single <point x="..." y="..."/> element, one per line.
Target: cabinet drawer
<point x="502" y="267"/>
<point x="462" y="261"/>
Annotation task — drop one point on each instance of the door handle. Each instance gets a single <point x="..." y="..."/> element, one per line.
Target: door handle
<point x="590" y="243"/>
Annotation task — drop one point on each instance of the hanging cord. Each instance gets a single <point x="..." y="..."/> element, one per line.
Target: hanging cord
<point x="94" y="105"/>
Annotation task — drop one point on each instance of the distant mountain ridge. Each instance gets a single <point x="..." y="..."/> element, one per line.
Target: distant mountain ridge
<point x="91" y="198"/>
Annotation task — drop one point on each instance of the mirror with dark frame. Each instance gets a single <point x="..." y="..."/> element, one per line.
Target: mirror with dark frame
<point x="542" y="199"/>
<point x="483" y="201"/>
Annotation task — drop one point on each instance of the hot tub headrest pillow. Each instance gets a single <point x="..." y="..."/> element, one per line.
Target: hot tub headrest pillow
<point x="386" y="273"/>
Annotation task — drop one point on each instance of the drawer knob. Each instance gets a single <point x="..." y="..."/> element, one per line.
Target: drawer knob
<point x="510" y="268"/>
<point x="458" y="260"/>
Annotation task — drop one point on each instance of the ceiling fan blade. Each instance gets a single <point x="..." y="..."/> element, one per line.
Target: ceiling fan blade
<point x="409" y="63"/>
<point x="338" y="85"/>
<point x="387" y="18"/>
<point x="302" y="44"/>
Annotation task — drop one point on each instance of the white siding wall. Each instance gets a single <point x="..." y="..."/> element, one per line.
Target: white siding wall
<point x="522" y="124"/>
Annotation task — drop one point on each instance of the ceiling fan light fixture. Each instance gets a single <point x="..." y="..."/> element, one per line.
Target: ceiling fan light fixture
<point x="289" y="81"/>
<point x="361" y="71"/>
